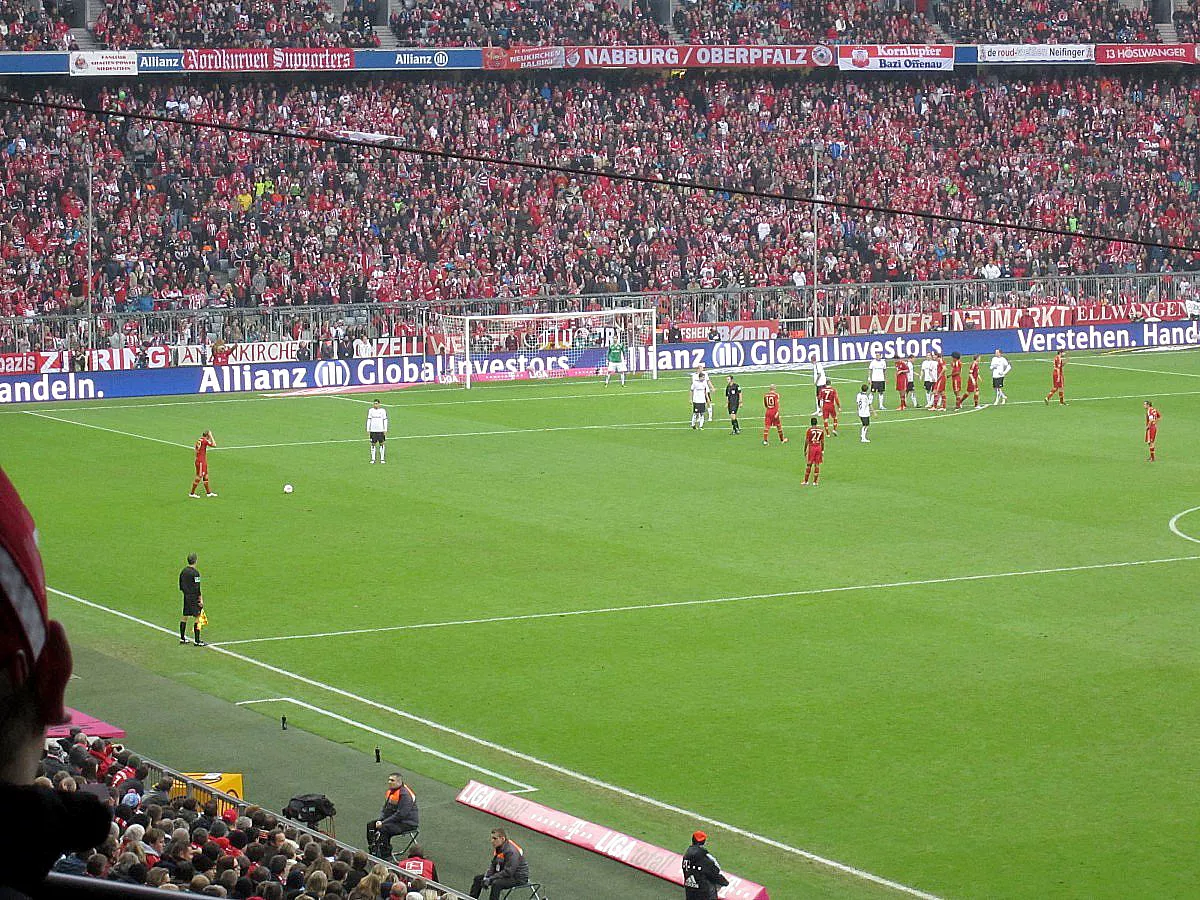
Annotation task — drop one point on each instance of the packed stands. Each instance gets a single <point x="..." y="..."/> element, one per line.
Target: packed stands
<point x="1187" y="24"/>
<point x="226" y="23"/>
<point x="358" y="20"/>
<point x="36" y="25"/>
<point x="792" y="22"/>
<point x="469" y="23"/>
<point x="175" y="834"/>
<point x="1046" y="22"/>
<point x="247" y="221"/>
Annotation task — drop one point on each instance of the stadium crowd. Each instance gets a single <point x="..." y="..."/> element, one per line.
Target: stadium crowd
<point x="469" y="23"/>
<point x="491" y="23"/>
<point x="790" y="22"/>
<point x="1046" y="22"/>
<point x="193" y="218"/>
<point x="163" y="839"/>
<point x="36" y="25"/>
<point x="164" y="24"/>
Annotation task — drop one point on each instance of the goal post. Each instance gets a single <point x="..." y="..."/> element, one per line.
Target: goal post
<point x="548" y="345"/>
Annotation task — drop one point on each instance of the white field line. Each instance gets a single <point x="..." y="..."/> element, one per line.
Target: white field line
<point x="109" y="430"/>
<point x="689" y="815"/>
<point x="1175" y="527"/>
<point x="667" y="424"/>
<point x="101" y="405"/>
<point x="1145" y="371"/>
<point x="387" y="735"/>
<point x="711" y="601"/>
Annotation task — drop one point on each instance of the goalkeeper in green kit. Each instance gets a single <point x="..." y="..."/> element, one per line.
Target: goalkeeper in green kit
<point x="616" y="362"/>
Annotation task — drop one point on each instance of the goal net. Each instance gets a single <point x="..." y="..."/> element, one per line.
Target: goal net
<point x="547" y="345"/>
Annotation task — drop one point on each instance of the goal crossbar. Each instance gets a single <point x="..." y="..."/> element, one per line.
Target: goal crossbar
<point x="521" y="346"/>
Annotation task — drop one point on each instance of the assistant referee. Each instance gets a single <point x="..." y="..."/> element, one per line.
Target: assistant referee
<point x="193" y="602"/>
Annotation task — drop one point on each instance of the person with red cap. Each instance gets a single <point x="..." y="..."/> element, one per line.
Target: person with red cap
<point x="702" y="877"/>
<point x="38" y="825"/>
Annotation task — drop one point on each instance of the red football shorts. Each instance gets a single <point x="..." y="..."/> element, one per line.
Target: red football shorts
<point x="1151" y="434"/>
<point x="772" y="417"/>
<point x="201" y="467"/>
<point x="816" y="453"/>
<point x="828" y="411"/>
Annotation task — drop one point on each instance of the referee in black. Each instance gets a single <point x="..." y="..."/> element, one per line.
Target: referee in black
<point x="733" y="397"/>
<point x="193" y="602"/>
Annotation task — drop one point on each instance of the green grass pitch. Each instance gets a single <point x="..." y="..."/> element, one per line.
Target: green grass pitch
<point x="968" y="662"/>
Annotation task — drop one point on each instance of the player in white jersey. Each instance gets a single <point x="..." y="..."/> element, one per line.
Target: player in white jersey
<point x="863" y="401"/>
<point x="700" y="390"/>
<point x="928" y="377"/>
<point x="1000" y="367"/>
<point x="877" y="368"/>
<point x="377" y="427"/>
<point x="707" y="396"/>
<point x="820" y="379"/>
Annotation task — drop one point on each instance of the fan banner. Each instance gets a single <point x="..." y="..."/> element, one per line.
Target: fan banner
<point x="104" y="62"/>
<point x="524" y="58"/>
<point x="32" y="363"/>
<point x="702" y="56"/>
<point x="896" y="57"/>
<point x="749" y="330"/>
<point x="665" y="864"/>
<point x="269" y="59"/>
<point x="1138" y="54"/>
<point x="894" y="323"/>
<point x="1021" y="54"/>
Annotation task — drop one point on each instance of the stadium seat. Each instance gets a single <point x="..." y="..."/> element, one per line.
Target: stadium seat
<point x="406" y="840"/>
<point x="532" y="891"/>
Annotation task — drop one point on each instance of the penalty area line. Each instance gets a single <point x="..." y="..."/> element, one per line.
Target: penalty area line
<point x="570" y="774"/>
<point x="109" y="430"/>
<point x="712" y="601"/>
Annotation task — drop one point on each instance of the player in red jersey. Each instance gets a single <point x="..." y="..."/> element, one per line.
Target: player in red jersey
<point x="956" y="380"/>
<point x="1056" y="379"/>
<point x="939" y="383"/>
<point x="831" y="404"/>
<point x="814" y="451"/>
<point x="1152" y="417"/>
<point x="904" y="374"/>
<point x="771" y="404"/>
<point x="973" y="381"/>
<point x="202" y="445"/>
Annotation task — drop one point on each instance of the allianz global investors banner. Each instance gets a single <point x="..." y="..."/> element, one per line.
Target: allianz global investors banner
<point x="646" y="857"/>
<point x="700" y="56"/>
<point x="1136" y="54"/>
<point x="400" y="371"/>
<point x="269" y="59"/>
<point x="896" y="57"/>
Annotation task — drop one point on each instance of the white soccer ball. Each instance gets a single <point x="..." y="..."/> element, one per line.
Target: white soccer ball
<point x="287" y="489"/>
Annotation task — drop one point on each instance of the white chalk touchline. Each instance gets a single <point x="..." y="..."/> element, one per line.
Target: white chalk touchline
<point x="690" y="815"/>
<point x="710" y="601"/>
<point x="1175" y="528"/>
<point x="109" y="430"/>
<point x="1131" y="369"/>
<point x="387" y="735"/>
